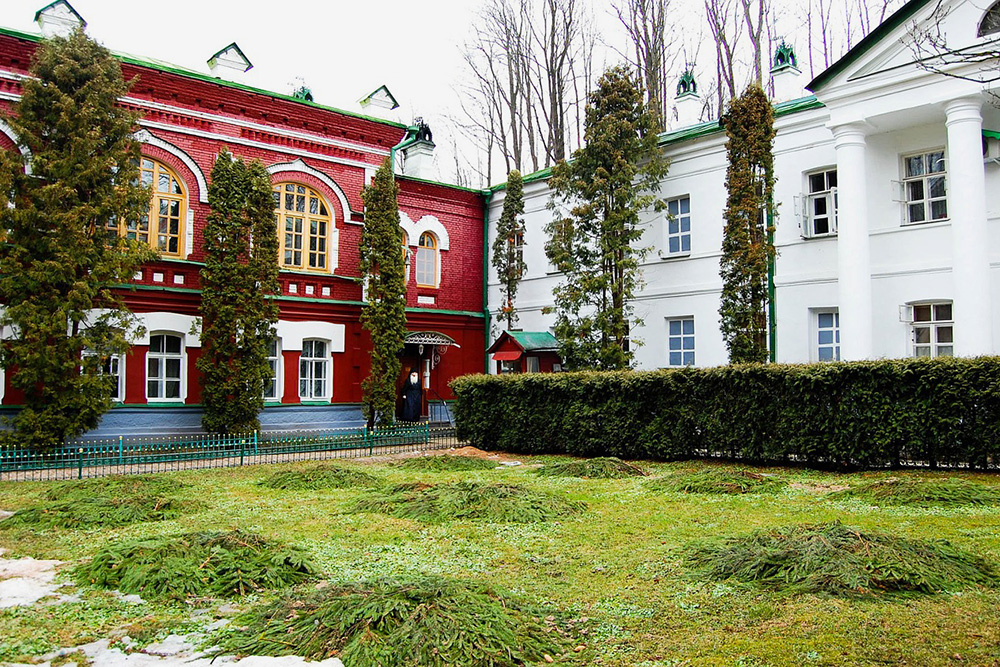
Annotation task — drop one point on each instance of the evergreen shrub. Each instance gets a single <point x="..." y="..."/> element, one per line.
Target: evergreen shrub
<point x="856" y="414"/>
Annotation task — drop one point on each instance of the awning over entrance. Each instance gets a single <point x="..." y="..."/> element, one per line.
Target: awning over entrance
<point x="430" y="338"/>
<point x="506" y="355"/>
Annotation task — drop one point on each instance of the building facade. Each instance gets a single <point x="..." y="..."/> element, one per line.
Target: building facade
<point x="886" y="207"/>
<point x="319" y="159"/>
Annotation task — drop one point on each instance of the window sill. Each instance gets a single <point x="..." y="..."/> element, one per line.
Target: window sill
<point x="924" y="222"/>
<point x="819" y="237"/>
<point x="165" y="403"/>
<point x="303" y="401"/>
<point x="673" y="255"/>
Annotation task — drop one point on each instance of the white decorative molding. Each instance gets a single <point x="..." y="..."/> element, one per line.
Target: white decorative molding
<point x="292" y="334"/>
<point x="175" y="323"/>
<point x="9" y="131"/>
<point x="146" y="137"/>
<point x="301" y="167"/>
<point x="428" y="223"/>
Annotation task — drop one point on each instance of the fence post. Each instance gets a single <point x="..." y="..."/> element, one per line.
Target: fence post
<point x="121" y="453"/>
<point x="256" y="441"/>
<point x="370" y="439"/>
<point x="242" y="441"/>
<point x="79" y="463"/>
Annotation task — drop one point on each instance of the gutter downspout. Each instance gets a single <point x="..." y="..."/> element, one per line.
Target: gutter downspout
<point x="408" y="139"/>
<point x="772" y="307"/>
<point x="486" y="272"/>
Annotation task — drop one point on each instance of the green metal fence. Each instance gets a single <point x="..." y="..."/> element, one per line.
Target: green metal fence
<point x="130" y="455"/>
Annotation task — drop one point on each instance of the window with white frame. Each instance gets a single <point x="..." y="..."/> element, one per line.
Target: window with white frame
<point x="427" y="258"/>
<point x="933" y="330"/>
<point x="164" y="367"/>
<point x="924" y="187"/>
<point x="272" y="384"/>
<point x="828" y="335"/>
<point x="314" y="370"/>
<point x="111" y="367"/>
<point x="820" y="215"/>
<point x="679" y="226"/>
<point x="680" y="341"/>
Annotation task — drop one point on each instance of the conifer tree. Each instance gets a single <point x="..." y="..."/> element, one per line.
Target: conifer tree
<point x="384" y="313"/>
<point x="239" y="283"/>
<point x="606" y="185"/>
<point x="746" y="246"/>
<point x="62" y="259"/>
<point x="507" y="258"/>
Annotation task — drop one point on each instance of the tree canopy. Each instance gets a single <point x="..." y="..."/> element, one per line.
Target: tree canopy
<point x="602" y="190"/>
<point x="63" y="261"/>
<point x="239" y="283"/>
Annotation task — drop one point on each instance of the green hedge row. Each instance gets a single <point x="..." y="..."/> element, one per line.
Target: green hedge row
<point x="867" y="414"/>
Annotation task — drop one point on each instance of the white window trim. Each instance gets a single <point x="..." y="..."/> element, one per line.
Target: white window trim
<point x="665" y="252"/>
<point x="814" y="329"/>
<point x="904" y="195"/>
<point x="328" y="380"/>
<point x="932" y="324"/>
<point x="807" y="197"/>
<point x="682" y="319"/>
<point x="279" y="374"/>
<point x="184" y="370"/>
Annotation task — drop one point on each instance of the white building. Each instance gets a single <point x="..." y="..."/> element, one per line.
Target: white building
<point x="887" y="204"/>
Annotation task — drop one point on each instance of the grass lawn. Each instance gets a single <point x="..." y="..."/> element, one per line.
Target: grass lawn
<point x="617" y="563"/>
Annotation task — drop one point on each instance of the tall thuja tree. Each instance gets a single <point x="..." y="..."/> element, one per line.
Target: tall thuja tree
<point x="239" y="283"/>
<point x="384" y="313"/>
<point x="62" y="260"/>
<point x="508" y="259"/>
<point x="747" y="247"/>
<point x="606" y="185"/>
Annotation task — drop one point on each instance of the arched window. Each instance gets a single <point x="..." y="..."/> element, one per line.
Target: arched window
<point x="991" y="21"/>
<point x="162" y="227"/>
<point x="164" y="367"/>
<point x="427" y="261"/>
<point x="304" y="224"/>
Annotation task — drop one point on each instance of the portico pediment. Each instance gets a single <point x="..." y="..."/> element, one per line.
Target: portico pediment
<point x="900" y="54"/>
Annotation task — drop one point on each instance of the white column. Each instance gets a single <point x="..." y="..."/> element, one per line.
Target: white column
<point x="854" y="281"/>
<point x="970" y="241"/>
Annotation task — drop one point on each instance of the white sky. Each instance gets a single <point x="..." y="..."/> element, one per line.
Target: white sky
<point x="343" y="50"/>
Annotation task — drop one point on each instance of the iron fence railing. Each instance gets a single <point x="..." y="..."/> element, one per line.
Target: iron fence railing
<point x="131" y="455"/>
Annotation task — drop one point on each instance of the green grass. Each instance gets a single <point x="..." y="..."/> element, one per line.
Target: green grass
<point x="602" y="467"/>
<point x="112" y="501"/>
<point x="417" y="620"/>
<point x="326" y="476"/>
<point x="836" y="559"/>
<point x="207" y="563"/>
<point x="618" y="563"/>
<point x="447" y="462"/>
<point x="475" y="501"/>
<point x="718" y="480"/>
<point x="950" y="492"/>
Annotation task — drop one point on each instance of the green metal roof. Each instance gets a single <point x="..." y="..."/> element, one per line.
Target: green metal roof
<point x="162" y="66"/>
<point x="532" y="341"/>
<point x="900" y="17"/>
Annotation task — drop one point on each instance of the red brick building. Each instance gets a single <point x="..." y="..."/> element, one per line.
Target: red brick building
<point x="320" y="158"/>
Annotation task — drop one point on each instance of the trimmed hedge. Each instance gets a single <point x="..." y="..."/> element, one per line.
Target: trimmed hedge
<point x="867" y="414"/>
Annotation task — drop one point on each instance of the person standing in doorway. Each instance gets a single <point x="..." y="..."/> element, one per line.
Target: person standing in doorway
<point x="413" y="396"/>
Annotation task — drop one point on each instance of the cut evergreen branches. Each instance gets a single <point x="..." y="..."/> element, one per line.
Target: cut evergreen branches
<point x="421" y="620"/>
<point x="718" y="480"/>
<point x="107" y="502"/>
<point x="319" y="477"/>
<point x="199" y="564"/>
<point x="922" y="492"/>
<point x="835" y="559"/>
<point x="474" y="501"/>
<point x="602" y="467"/>
<point x="448" y="462"/>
